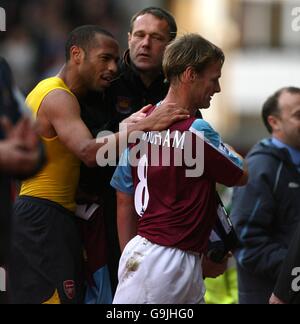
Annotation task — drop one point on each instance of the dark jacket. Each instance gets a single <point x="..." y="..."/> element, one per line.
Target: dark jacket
<point x="288" y="283"/>
<point x="128" y="94"/>
<point x="265" y="214"/>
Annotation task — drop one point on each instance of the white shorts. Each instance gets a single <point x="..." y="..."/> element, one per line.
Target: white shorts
<point x="154" y="274"/>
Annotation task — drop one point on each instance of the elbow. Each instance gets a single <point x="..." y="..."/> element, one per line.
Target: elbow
<point x="88" y="157"/>
<point x="89" y="161"/>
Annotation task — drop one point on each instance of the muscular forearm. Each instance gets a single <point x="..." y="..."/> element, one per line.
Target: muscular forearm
<point x="107" y="148"/>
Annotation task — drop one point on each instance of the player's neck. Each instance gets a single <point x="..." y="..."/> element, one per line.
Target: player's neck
<point x="181" y="98"/>
<point x="72" y="81"/>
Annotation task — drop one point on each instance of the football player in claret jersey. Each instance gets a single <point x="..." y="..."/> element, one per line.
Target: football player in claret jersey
<point x="165" y="210"/>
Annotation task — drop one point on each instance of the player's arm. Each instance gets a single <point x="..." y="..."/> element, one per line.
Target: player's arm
<point x="126" y="218"/>
<point x="226" y="171"/>
<point x="212" y="269"/>
<point x="126" y="214"/>
<point x="63" y="112"/>
<point x="244" y="178"/>
<point x="222" y="162"/>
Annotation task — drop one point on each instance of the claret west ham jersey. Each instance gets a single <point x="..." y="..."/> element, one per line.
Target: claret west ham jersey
<point x="174" y="199"/>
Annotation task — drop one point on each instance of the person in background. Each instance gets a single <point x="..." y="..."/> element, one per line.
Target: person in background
<point x="21" y="156"/>
<point x="265" y="212"/>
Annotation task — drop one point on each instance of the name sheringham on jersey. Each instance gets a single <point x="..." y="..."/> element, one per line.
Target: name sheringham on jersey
<point x="2" y="280"/>
<point x="2" y="19"/>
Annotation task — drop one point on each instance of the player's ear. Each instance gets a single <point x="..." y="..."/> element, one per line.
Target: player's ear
<point x="129" y="38"/>
<point x="189" y="75"/>
<point x="274" y="123"/>
<point x="77" y="54"/>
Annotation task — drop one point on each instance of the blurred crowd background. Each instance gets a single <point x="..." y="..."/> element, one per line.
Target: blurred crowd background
<point x="259" y="38"/>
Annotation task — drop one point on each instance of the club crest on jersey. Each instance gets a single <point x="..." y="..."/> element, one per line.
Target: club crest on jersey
<point x="69" y="289"/>
<point x="123" y="105"/>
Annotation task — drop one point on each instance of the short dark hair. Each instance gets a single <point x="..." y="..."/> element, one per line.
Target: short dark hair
<point x="160" y="14"/>
<point x="271" y="105"/>
<point x="191" y="50"/>
<point x="83" y="37"/>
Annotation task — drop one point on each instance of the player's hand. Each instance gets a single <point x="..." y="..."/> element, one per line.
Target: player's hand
<point x="213" y="270"/>
<point x="19" y="151"/>
<point x="23" y="133"/>
<point x="136" y="117"/>
<point x="274" y="300"/>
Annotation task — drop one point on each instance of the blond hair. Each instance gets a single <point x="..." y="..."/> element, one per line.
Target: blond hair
<point x="191" y="50"/>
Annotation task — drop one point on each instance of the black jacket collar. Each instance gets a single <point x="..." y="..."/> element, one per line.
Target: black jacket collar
<point x="129" y="72"/>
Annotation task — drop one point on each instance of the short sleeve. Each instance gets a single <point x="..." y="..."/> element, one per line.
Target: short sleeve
<point x="122" y="178"/>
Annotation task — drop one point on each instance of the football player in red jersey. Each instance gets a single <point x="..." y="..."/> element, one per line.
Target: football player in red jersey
<point x="166" y="212"/>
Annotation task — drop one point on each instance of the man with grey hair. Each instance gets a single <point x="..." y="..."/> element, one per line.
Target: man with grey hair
<point x="164" y="232"/>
